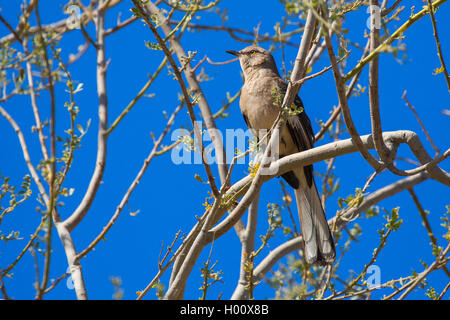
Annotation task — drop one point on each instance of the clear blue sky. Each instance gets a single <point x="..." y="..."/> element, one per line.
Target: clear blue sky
<point x="169" y="197"/>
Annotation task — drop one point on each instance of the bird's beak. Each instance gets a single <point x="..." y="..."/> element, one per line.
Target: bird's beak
<point x="234" y="53"/>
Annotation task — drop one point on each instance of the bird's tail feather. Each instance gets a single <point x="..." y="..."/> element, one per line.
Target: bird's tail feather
<point x="319" y="245"/>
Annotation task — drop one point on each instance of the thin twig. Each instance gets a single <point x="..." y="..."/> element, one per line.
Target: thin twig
<point x="56" y="282"/>
<point x="420" y="123"/>
<point x="296" y="244"/>
<point x="388" y="41"/>
<point x="420" y="277"/>
<point x="195" y="88"/>
<point x="59" y="27"/>
<point x="288" y="200"/>
<point x="24" y="250"/>
<point x="36" y="269"/>
<point x="426" y="223"/>
<point x="133" y="186"/>
<point x="162" y="269"/>
<point x="386" y="11"/>
<point x="137" y="97"/>
<point x="25" y="153"/>
<point x="34" y="106"/>
<point x="438" y="43"/>
<point x="233" y="31"/>
<point x="186" y="97"/>
<point x="444" y="291"/>
<point x="337" y="110"/>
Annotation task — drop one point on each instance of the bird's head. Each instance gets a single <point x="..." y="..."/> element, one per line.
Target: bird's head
<point x="253" y="58"/>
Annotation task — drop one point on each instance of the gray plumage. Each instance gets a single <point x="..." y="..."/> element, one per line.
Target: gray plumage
<point x="260" y="110"/>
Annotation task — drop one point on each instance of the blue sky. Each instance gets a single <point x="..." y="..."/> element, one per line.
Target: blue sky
<point x="169" y="197"/>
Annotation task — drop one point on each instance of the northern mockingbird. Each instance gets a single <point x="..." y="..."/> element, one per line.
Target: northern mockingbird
<point x="260" y="110"/>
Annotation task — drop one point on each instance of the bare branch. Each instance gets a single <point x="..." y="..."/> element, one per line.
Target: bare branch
<point x="26" y="153"/>
<point x="73" y="263"/>
<point x="348" y="94"/>
<point x="438" y="44"/>
<point x="386" y="11"/>
<point x="51" y="211"/>
<point x="195" y="89"/>
<point x="15" y="35"/>
<point x="24" y="250"/>
<point x="138" y="96"/>
<point x="233" y="31"/>
<point x="76" y="217"/>
<point x="248" y="246"/>
<point x="420" y="277"/>
<point x="59" y="27"/>
<point x="374" y="96"/>
<point x="330" y="150"/>
<point x="186" y="97"/>
<point x="35" y="106"/>
<point x="420" y="123"/>
<point x="426" y="223"/>
<point x="444" y="291"/>
<point x="387" y="42"/>
<point x="375" y="197"/>
<point x="340" y="87"/>
<point x="133" y="185"/>
<point x="55" y="282"/>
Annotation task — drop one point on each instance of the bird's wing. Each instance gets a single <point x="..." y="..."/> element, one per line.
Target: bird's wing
<point x="319" y="245"/>
<point x="302" y="134"/>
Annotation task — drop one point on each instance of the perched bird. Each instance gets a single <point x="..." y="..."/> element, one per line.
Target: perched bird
<point x="260" y="109"/>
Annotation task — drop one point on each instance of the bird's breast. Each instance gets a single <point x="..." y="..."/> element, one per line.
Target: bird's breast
<point x="258" y="104"/>
<point x="261" y="106"/>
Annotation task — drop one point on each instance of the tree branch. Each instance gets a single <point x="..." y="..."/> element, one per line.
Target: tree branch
<point x="195" y="89"/>
<point x="26" y="154"/>
<point x="438" y="43"/>
<point x="420" y="277"/>
<point x="340" y="87"/>
<point x="186" y="97"/>
<point x="324" y="152"/>
<point x="82" y="209"/>
<point x="386" y="43"/>
<point x="375" y="197"/>
<point x="133" y="185"/>
<point x="248" y="247"/>
<point x="374" y="97"/>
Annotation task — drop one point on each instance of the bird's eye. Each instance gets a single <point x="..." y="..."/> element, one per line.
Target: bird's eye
<point x="252" y="52"/>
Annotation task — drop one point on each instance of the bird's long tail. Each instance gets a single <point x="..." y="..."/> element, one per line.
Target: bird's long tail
<point x="319" y="245"/>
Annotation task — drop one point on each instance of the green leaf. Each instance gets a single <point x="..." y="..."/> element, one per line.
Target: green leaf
<point x="394" y="222"/>
<point x="153" y="46"/>
<point x="198" y="178"/>
<point x="80" y="128"/>
<point x="135" y="12"/>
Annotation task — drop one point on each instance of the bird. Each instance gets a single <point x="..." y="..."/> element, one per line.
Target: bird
<point x="262" y="84"/>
